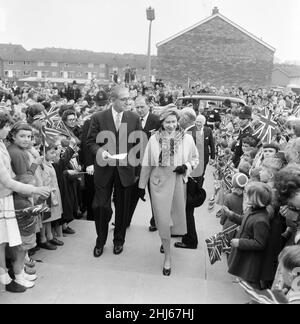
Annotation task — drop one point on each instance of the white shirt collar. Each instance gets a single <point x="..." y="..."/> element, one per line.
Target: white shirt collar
<point x="115" y="113"/>
<point x="188" y="128"/>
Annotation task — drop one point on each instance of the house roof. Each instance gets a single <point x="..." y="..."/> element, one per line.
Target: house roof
<point x="223" y="18"/>
<point x="11" y="52"/>
<point x="292" y="71"/>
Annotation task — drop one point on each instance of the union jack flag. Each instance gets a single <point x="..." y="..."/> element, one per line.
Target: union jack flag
<point x="51" y="117"/>
<point x="50" y="134"/>
<point x="219" y="243"/>
<point x="266" y="126"/>
<point x="227" y="176"/>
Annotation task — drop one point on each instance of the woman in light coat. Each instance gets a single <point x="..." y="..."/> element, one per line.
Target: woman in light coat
<point x="170" y="157"/>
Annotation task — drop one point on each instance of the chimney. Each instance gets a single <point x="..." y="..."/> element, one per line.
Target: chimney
<point x="215" y="11"/>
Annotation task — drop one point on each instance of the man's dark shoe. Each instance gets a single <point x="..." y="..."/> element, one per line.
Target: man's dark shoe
<point x="118" y="249"/>
<point x="185" y="246"/>
<point x="152" y="228"/>
<point x="98" y="251"/>
<point x="69" y="231"/>
<point x="14" y="287"/>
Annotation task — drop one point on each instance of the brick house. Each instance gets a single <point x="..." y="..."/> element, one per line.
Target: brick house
<point x="218" y="51"/>
<point x="65" y="64"/>
<point x="285" y="75"/>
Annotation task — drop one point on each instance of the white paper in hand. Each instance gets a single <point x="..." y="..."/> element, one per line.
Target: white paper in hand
<point x="118" y="156"/>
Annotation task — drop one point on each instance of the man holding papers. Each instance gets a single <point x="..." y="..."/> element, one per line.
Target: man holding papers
<point x="111" y="138"/>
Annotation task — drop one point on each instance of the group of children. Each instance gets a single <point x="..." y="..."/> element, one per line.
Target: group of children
<point x="251" y="196"/>
<point x="48" y="165"/>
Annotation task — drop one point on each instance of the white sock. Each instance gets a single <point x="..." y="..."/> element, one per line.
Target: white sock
<point x="5" y="279"/>
<point x="20" y="276"/>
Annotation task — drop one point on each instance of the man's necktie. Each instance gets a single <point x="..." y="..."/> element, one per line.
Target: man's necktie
<point x="118" y="121"/>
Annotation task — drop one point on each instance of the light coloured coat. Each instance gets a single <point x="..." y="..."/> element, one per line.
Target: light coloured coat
<point x="168" y="189"/>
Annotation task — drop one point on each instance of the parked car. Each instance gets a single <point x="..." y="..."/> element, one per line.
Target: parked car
<point x="203" y="101"/>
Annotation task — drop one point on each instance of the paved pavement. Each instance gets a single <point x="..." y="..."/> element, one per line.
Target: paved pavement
<point x="72" y="275"/>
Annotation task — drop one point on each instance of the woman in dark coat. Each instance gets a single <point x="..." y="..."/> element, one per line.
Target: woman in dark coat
<point x="67" y="182"/>
<point x="246" y="258"/>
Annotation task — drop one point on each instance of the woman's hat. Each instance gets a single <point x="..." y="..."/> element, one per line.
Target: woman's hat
<point x="168" y="111"/>
<point x="239" y="180"/>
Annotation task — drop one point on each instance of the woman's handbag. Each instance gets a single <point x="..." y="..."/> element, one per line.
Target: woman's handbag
<point x="196" y="195"/>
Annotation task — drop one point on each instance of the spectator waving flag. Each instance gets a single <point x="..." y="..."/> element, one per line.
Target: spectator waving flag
<point x="267" y="126"/>
<point x="219" y="243"/>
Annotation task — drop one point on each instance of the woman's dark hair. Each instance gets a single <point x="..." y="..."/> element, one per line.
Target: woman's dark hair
<point x="5" y="119"/>
<point x="64" y="108"/>
<point x="67" y="113"/>
<point x="32" y="111"/>
<point x="16" y="129"/>
<point x="251" y="141"/>
<point x="47" y="105"/>
<point x="287" y="182"/>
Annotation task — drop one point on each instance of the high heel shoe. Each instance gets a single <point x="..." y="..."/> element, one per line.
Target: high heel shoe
<point x="166" y="272"/>
<point x="162" y="251"/>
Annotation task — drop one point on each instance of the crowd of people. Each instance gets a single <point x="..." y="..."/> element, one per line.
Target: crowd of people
<point x="73" y="150"/>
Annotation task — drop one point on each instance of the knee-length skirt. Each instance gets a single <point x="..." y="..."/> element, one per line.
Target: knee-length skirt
<point x="9" y="229"/>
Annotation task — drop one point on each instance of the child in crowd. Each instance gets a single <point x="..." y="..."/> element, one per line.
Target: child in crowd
<point x="234" y="200"/>
<point x="47" y="241"/>
<point x="289" y="265"/>
<point x="67" y="182"/>
<point x="246" y="258"/>
<point x="269" y="169"/>
<point x="27" y="225"/>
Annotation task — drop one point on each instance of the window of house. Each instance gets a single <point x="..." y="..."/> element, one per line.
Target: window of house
<point x="79" y="74"/>
<point x="41" y="64"/>
<point x="54" y="64"/>
<point x="67" y="65"/>
<point x="91" y="65"/>
<point x="54" y="74"/>
<point x="27" y="63"/>
<point x="102" y="75"/>
<point x="10" y="62"/>
<point x="26" y="73"/>
<point x="6" y="73"/>
<point x="102" y="66"/>
<point x="17" y="73"/>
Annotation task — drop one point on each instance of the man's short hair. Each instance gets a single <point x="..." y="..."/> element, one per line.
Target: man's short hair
<point x="201" y="118"/>
<point x="189" y="112"/>
<point x="116" y="91"/>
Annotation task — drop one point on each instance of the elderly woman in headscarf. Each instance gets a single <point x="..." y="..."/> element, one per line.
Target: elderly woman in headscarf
<point x="170" y="156"/>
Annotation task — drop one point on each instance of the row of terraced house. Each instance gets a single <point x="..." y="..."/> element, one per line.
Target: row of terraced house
<point x="61" y="65"/>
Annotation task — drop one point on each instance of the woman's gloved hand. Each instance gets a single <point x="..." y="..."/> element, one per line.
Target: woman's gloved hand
<point x="181" y="169"/>
<point x="141" y="194"/>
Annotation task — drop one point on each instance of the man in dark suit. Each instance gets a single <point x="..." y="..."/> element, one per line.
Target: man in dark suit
<point x="150" y="123"/>
<point x="205" y="138"/>
<point x="109" y="135"/>
<point x="245" y="116"/>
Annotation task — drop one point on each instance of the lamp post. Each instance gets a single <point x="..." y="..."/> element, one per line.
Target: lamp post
<point x="150" y="16"/>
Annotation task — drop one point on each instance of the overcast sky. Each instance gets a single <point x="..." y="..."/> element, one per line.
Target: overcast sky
<point x="120" y="25"/>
